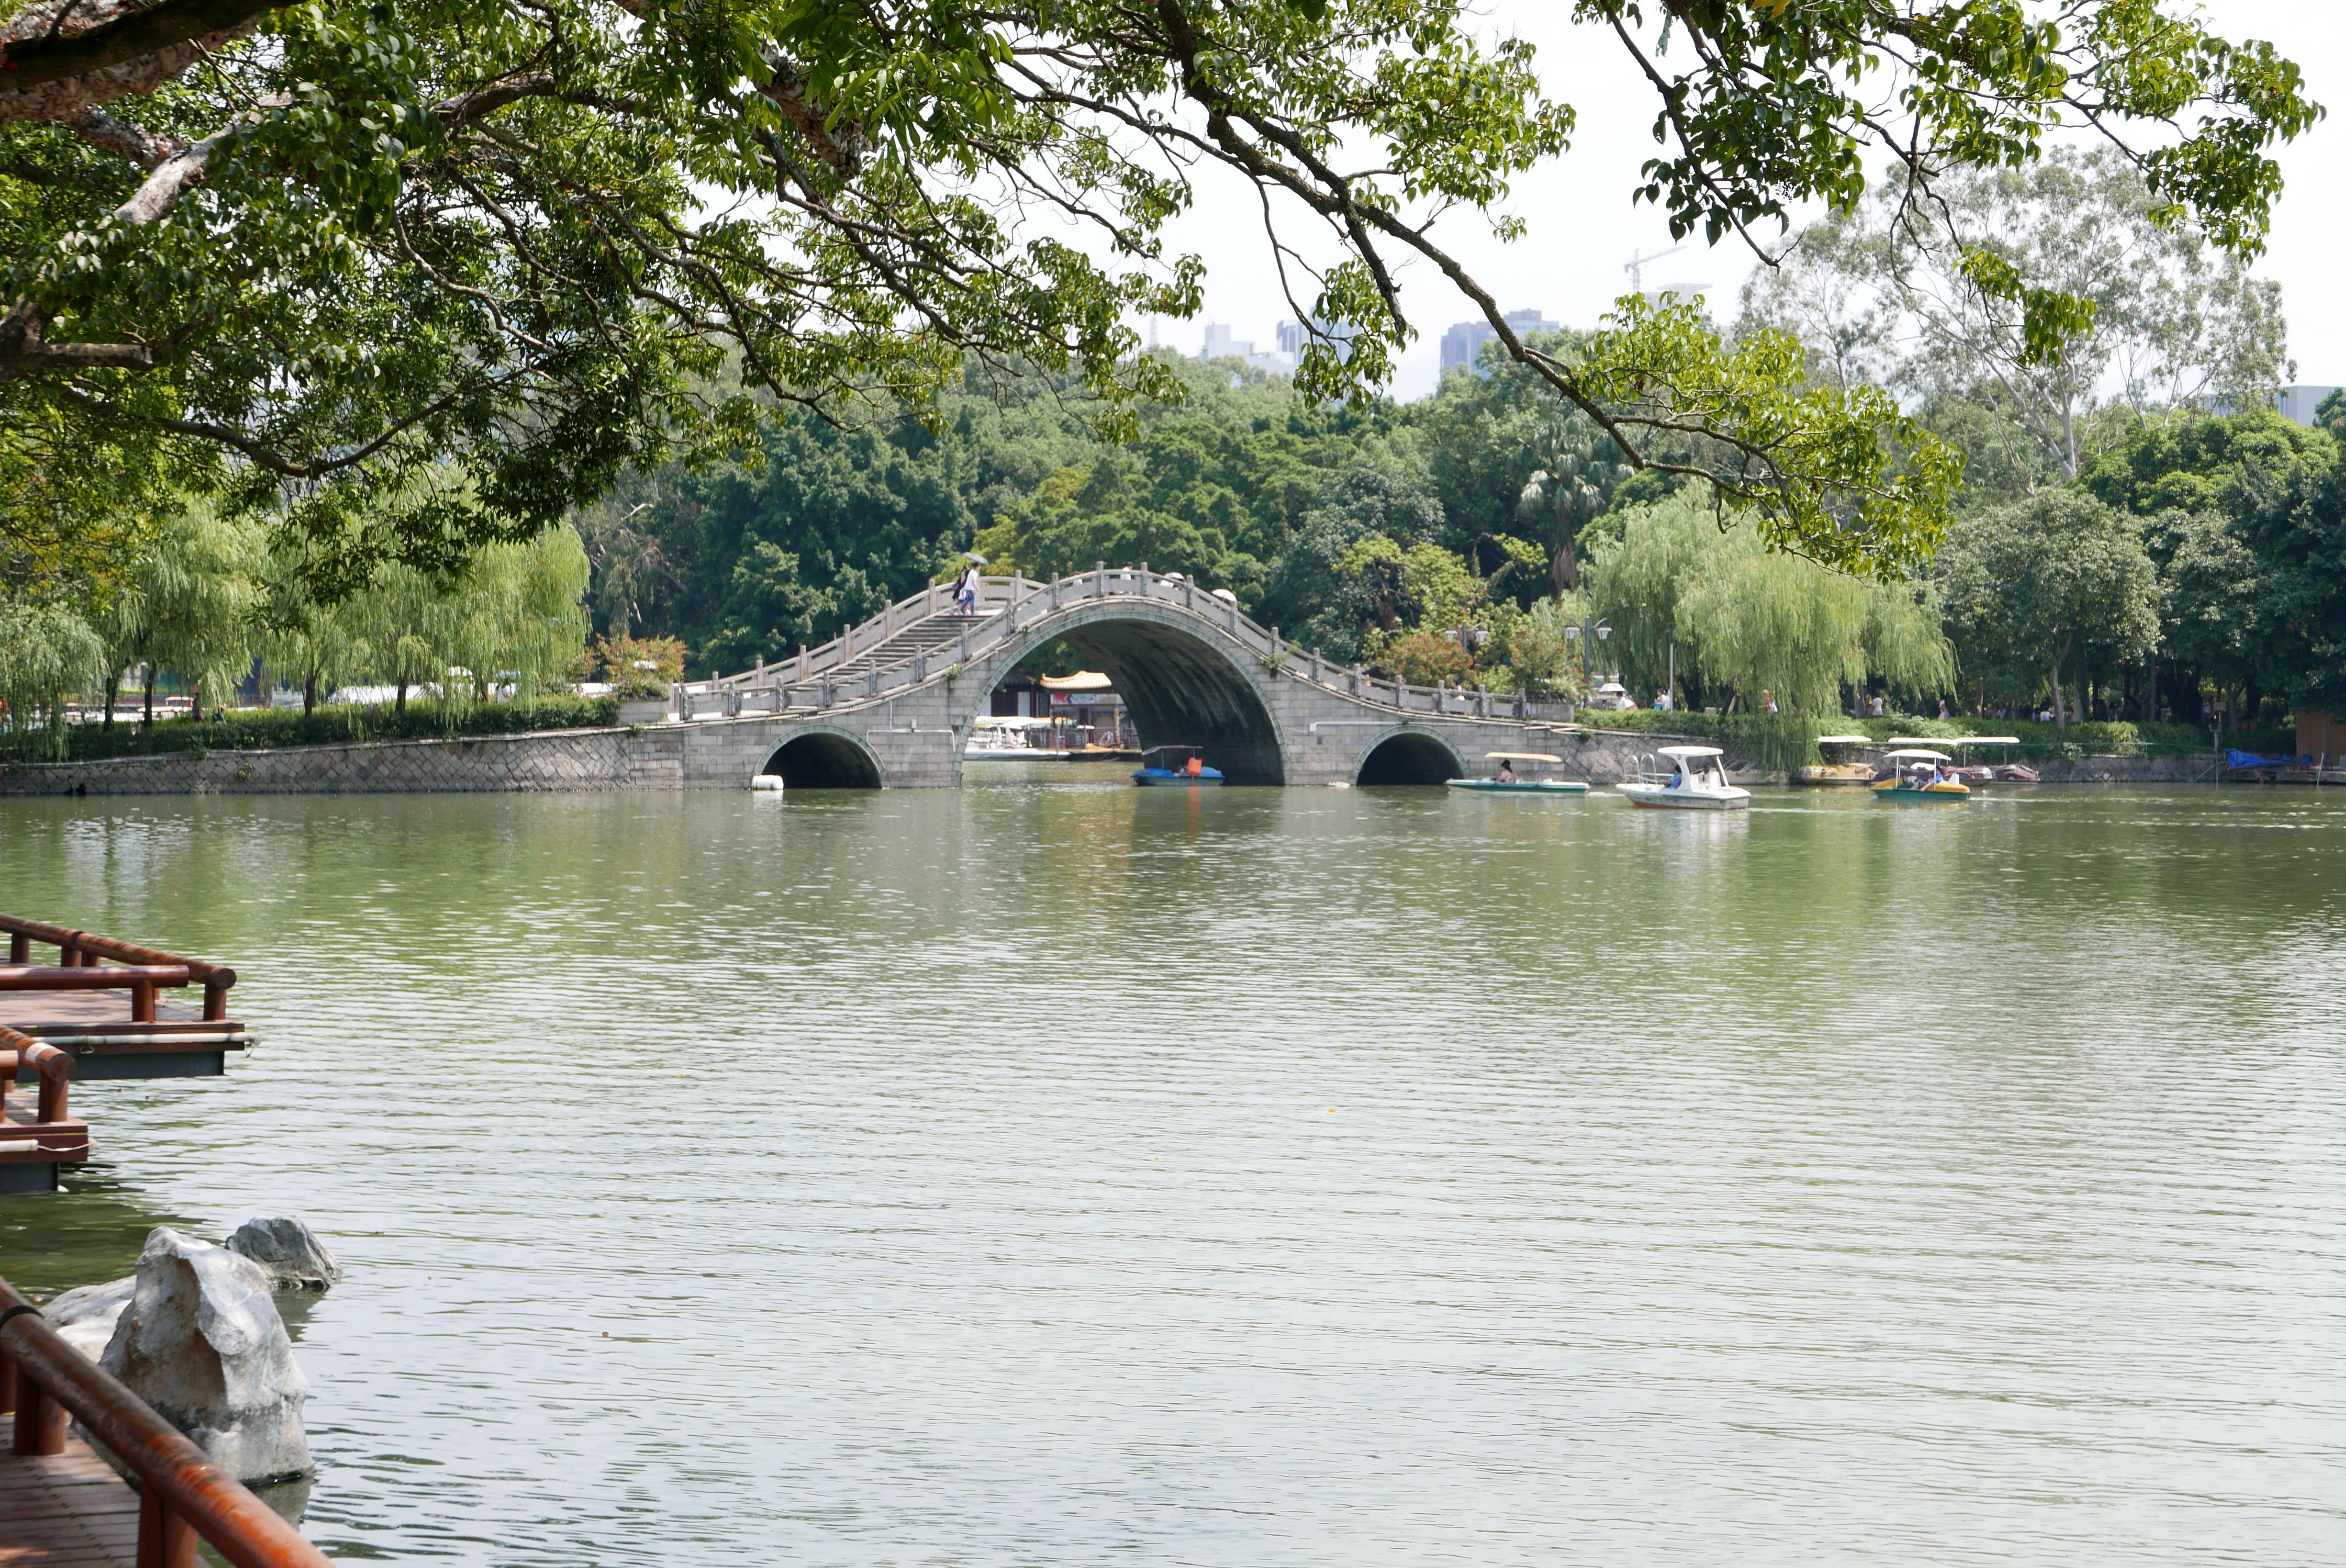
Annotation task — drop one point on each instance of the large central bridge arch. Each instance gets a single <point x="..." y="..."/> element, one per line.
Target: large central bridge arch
<point x="1182" y="682"/>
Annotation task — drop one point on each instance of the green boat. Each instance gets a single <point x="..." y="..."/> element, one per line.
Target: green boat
<point x="1504" y="781"/>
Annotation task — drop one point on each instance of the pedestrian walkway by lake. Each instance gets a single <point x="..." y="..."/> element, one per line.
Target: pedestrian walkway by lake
<point x="1041" y="1174"/>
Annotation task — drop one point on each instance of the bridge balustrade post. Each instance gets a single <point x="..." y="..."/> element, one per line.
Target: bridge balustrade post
<point x="1100" y="580"/>
<point x="1054" y="590"/>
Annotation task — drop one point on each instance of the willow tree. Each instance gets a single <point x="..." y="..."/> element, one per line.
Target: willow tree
<point x="308" y="249"/>
<point x="514" y="615"/>
<point x="190" y="603"/>
<point x="48" y="653"/>
<point x="1752" y="623"/>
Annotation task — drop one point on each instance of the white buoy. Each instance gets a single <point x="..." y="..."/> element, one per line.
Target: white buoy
<point x="767" y="781"/>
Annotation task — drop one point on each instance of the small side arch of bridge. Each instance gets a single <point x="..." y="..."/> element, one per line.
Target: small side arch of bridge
<point x="826" y="757"/>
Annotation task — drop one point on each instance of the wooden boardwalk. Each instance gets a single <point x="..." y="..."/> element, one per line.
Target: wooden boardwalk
<point x="65" y="1510"/>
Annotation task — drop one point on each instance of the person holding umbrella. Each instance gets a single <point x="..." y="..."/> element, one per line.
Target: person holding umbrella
<point x="965" y="590"/>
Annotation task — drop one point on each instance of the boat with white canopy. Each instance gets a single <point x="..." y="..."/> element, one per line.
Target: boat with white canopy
<point x="1842" y="764"/>
<point x="1008" y="737"/>
<point x="1689" y="779"/>
<point x="1508" y="770"/>
<point x="1918" y="773"/>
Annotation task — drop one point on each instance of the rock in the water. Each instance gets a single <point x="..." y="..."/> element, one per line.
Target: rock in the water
<point x="84" y="1317"/>
<point x="85" y="1301"/>
<point x="202" y="1342"/>
<point x="289" y="1249"/>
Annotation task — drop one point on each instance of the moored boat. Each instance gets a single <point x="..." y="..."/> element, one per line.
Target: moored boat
<point x="2008" y="771"/>
<point x="1004" y="737"/>
<point x="1504" y="779"/>
<point x="1695" y="779"/>
<point x="1841" y="764"/>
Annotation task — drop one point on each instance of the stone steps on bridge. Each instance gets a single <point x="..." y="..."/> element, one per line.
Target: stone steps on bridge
<point x="930" y="634"/>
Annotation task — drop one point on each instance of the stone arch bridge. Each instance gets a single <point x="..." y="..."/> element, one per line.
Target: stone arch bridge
<point x="889" y="704"/>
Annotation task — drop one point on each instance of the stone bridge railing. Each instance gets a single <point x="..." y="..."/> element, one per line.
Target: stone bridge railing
<point x="865" y="662"/>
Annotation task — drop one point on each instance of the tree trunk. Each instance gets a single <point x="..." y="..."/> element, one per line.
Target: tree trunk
<point x="399" y="707"/>
<point x="147" y="719"/>
<point x="309" y="694"/>
<point x="113" y="690"/>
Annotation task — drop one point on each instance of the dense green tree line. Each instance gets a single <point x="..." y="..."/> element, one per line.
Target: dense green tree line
<point x="2197" y="560"/>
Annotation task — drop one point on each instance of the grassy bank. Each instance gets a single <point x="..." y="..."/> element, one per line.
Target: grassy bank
<point x="256" y="731"/>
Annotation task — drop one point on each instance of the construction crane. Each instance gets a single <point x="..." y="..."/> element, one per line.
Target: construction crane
<point x="1636" y="266"/>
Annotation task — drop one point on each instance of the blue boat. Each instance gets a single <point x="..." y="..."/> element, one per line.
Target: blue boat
<point x="1189" y="767"/>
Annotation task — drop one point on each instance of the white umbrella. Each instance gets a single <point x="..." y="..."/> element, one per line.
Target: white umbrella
<point x="973" y="555"/>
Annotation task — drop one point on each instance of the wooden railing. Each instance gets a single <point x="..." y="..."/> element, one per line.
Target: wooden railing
<point x="80" y="950"/>
<point x="817" y="677"/>
<point x="183" y="1495"/>
<point x="53" y="1067"/>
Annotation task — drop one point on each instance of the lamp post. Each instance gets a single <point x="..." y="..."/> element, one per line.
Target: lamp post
<point x="1587" y="630"/>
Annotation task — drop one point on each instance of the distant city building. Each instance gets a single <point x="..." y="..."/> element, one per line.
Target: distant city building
<point x="1462" y="342"/>
<point x="1682" y="293"/>
<point x="2299" y="403"/>
<point x="1292" y="338"/>
<point x="1220" y="345"/>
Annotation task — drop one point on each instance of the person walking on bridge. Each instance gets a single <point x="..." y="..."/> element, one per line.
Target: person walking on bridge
<point x="965" y="591"/>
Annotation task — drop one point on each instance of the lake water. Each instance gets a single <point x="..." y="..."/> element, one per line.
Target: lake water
<point x="1059" y="1175"/>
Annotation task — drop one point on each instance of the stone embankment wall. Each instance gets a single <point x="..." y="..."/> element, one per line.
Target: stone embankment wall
<point x="550" y="760"/>
<point x="709" y="755"/>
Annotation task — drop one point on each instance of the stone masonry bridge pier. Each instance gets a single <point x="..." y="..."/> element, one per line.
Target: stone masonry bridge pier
<point x="889" y="704"/>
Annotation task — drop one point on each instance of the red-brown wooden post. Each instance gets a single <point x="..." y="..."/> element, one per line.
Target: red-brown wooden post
<point x="40" y="1419"/>
<point x="8" y="1384"/>
<point x="165" y="1539"/>
<point x="20" y="948"/>
<point x="142" y="1002"/>
<point x="216" y="986"/>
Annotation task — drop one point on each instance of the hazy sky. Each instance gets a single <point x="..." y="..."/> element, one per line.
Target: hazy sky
<point x="1583" y="229"/>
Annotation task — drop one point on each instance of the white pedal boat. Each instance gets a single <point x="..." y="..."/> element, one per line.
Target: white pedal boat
<point x="1688" y="778"/>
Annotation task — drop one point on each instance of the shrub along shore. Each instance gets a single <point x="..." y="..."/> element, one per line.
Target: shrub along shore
<point x="333" y="726"/>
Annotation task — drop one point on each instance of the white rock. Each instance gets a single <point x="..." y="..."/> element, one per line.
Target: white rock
<point x="84" y="1317"/>
<point x="85" y="1301"/>
<point x="289" y="1249"/>
<point x="201" y="1341"/>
